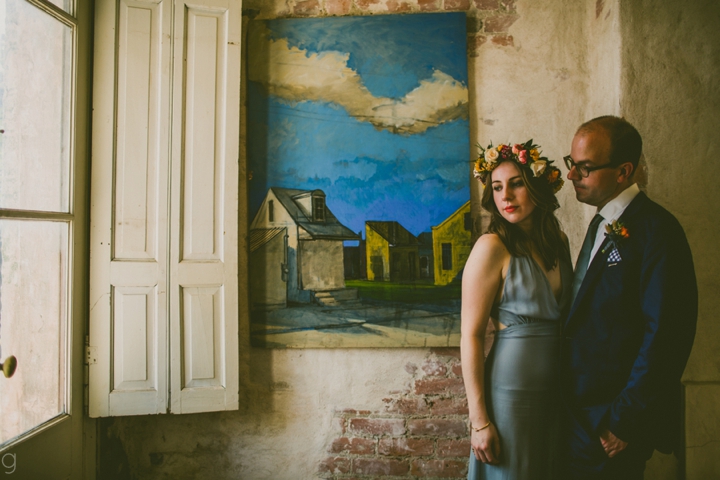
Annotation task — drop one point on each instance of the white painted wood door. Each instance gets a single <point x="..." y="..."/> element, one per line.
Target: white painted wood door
<point x="163" y="286"/>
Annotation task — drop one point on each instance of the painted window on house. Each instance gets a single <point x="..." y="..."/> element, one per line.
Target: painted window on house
<point x="318" y="209"/>
<point x="468" y="222"/>
<point x="447" y="256"/>
<point x="271" y="211"/>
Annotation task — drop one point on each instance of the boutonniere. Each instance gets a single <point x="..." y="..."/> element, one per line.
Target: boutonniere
<point x="615" y="232"/>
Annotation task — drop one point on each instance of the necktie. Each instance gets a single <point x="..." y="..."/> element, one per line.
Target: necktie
<point x="584" y="258"/>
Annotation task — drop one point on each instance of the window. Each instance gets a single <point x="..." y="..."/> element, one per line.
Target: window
<point x="271" y="211"/>
<point x="447" y="256"/>
<point x="318" y="209"/>
<point x="468" y="222"/>
<point x="37" y="214"/>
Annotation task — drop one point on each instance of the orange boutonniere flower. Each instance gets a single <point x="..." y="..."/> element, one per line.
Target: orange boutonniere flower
<point x="616" y="232"/>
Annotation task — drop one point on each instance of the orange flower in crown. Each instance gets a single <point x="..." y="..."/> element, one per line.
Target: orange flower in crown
<point x="526" y="155"/>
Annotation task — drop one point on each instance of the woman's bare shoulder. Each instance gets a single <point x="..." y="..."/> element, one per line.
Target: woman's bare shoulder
<point x="491" y="241"/>
<point x="490" y="245"/>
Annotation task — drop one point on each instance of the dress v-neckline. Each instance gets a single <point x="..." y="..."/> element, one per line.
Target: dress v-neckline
<point x="547" y="280"/>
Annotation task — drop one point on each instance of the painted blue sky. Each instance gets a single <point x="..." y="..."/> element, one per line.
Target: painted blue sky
<point x="412" y="168"/>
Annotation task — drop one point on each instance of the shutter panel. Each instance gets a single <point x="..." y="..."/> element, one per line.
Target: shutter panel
<point x="163" y="274"/>
<point x="204" y="263"/>
<point x="128" y="285"/>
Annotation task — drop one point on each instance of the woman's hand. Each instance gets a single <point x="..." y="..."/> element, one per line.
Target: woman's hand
<point x="486" y="444"/>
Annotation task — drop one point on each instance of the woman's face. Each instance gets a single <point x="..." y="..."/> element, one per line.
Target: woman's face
<point x="511" y="195"/>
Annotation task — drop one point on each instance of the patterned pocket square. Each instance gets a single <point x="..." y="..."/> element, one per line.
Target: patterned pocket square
<point x="614" y="257"/>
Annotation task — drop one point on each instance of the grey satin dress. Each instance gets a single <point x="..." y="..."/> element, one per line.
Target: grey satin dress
<point x="521" y="383"/>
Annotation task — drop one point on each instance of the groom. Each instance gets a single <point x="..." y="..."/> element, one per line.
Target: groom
<point x="629" y="332"/>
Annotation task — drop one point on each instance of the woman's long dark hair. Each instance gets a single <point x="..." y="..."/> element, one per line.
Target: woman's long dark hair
<point x="545" y="236"/>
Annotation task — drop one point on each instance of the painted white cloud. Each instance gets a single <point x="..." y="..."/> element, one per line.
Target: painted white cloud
<point x="296" y="75"/>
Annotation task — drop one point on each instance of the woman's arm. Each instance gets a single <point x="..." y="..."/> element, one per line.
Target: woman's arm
<point x="482" y="280"/>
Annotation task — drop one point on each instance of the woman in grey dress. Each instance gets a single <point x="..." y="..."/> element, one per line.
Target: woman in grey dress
<point x="519" y="276"/>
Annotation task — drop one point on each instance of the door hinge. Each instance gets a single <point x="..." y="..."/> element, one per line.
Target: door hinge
<point x="90" y="355"/>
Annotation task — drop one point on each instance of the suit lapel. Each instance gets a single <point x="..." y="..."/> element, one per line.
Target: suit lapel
<point x="599" y="262"/>
<point x="597" y="265"/>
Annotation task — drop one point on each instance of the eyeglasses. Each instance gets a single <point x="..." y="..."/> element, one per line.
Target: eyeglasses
<point x="583" y="170"/>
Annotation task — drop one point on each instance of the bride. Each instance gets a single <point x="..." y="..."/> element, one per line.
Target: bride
<point x="518" y="276"/>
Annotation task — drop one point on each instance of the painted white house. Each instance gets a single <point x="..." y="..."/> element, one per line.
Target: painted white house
<point x="296" y="248"/>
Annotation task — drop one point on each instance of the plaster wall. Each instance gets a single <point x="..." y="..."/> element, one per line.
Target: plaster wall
<point x="670" y="83"/>
<point x="536" y="87"/>
<point x="537" y="69"/>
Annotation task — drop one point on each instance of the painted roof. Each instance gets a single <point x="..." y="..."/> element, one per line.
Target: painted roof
<point x="261" y="236"/>
<point x="394" y="233"/>
<point x="330" y="229"/>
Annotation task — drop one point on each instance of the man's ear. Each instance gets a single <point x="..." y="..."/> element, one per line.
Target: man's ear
<point x="626" y="172"/>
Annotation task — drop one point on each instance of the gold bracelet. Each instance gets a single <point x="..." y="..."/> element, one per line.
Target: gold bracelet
<point x="481" y="428"/>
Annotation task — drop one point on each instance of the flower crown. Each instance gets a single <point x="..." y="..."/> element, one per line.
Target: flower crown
<point x="524" y="154"/>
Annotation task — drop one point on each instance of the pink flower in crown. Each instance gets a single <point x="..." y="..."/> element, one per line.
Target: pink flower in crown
<point x="516" y="148"/>
<point x="523" y="156"/>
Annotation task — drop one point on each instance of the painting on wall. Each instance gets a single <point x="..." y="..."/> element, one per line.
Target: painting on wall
<point x="358" y="159"/>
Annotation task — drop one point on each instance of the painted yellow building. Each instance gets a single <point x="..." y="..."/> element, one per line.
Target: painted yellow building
<point x="392" y="252"/>
<point x="451" y="245"/>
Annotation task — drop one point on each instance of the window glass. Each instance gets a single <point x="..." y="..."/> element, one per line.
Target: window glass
<point x="35" y="95"/>
<point x="33" y="315"/>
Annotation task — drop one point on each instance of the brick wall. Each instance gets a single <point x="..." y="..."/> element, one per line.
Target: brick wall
<point x="487" y="20"/>
<point x="421" y="432"/>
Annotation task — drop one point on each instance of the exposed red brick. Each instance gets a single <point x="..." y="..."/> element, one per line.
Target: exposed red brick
<point x="453" y="448"/>
<point x="365" y="4"/>
<point x="335" y="465"/>
<point x="450" y="406"/>
<point x="446" y="351"/>
<point x="456" y="367"/>
<point x="380" y="466"/>
<point x="396" y="7"/>
<point x="351" y="411"/>
<point x="411" y="405"/>
<point x="503" y="40"/>
<point x="406" y="446"/>
<point x="440" y="427"/>
<point x="439" y="386"/>
<point x="438" y="468"/>
<point x="338" y="7"/>
<point x="378" y="426"/>
<point x="434" y="368"/>
<point x="457" y="4"/>
<point x="428" y="5"/>
<point x="500" y="23"/>
<point x="357" y="446"/>
<point x="307" y="7"/>
<point x="487" y="4"/>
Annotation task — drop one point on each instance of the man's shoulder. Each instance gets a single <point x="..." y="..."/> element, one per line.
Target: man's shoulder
<point x="652" y="228"/>
<point x="650" y="215"/>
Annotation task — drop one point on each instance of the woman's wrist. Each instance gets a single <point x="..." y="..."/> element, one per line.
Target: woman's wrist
<point x="478" y="428"/>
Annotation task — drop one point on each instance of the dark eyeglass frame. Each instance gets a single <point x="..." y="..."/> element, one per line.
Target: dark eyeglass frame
<point x="583" y="170"/>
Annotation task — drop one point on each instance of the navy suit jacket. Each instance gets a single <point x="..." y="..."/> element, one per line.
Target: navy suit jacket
<point x="630" y="329"/>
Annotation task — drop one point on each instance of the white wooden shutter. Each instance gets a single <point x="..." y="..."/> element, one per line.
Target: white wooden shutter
<point x="204" y="202"/>
<point x="163" y="280"/>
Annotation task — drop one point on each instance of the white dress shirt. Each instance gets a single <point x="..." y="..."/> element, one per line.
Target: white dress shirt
<point x="612" y="211"/>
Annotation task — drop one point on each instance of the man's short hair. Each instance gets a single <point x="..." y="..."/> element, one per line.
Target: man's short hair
<point x="625" y="140"/>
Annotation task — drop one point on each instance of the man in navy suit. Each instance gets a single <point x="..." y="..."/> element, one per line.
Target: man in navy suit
<point x="629" y="332"/>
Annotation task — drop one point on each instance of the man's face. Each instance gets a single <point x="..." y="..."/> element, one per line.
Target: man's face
<point x="592" y="149"/>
